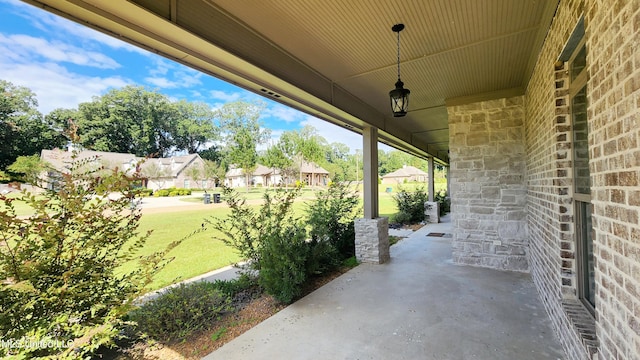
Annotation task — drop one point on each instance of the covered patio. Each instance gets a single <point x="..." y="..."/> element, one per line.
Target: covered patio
<point x="418" y="306"/>
<point x="532" y="106"/>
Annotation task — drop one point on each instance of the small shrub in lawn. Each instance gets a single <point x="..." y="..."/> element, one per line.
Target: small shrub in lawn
<point x="162" y="192"/>
<point x="174" y="193"/>
<point x="411" y="206"/>
<point x="181" y="311"/>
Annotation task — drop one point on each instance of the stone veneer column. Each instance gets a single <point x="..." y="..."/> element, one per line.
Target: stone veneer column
<point x="372" y="240"/>
<point x="488" y="188"/>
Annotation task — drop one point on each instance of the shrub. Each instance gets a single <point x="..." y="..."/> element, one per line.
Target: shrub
<point x="142" y="192"/>
<point x="162" y="192"/>
<point x="276" y="243"/>
<point x="245" y="228"/>
<point x="283" y="267"/>
<point x="181" y="311"/>
<point x="411" y="206"/>
<point x="174" y="193"/>
<point x="58" y="268"/>
<point x="331" y="218"/>
<point x="445" y="203"/>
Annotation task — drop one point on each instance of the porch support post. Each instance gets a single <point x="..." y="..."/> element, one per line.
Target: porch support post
<point x="370" y="178"/>
<point x="432" y="188"/>
<point x="372" y="232"/>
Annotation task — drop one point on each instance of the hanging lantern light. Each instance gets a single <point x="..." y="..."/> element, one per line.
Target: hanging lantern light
<point x="399" y="96"/>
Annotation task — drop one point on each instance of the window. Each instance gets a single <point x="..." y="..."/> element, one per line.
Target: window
<point x="186" y="184"/>
<point x="581" y="176"/>
<point x="204" y="184"/>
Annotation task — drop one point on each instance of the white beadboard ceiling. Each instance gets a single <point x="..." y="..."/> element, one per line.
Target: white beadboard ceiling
<point x="336" y="59"/>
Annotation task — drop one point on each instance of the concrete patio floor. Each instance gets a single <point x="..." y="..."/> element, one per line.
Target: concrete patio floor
<point x="418" y="306"/>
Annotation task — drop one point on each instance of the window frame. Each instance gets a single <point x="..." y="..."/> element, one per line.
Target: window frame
<point x="582" y="262"/>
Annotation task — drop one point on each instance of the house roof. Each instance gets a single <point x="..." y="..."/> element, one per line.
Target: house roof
<point x="406" y="171"/>
<point x="61" y="159"/>
<point x="261" y="170"/>
<point x="313" y="168"/>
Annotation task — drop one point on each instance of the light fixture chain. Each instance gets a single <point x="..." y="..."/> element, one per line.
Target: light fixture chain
<point x="398" y="55"/>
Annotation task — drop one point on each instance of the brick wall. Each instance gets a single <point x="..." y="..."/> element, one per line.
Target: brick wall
<point x="487" y="184"/>
<point x="613" y="61"/>
<point x="613" y="57"/>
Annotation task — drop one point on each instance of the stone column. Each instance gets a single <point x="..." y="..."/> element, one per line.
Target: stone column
<point x="372" y="240"/>
<point x="372" y="232"/>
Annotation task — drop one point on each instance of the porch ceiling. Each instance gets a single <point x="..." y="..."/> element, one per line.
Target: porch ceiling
<point x="336" y="59"/>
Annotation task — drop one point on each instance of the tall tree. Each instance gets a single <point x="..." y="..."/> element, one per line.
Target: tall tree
<point x="23" y="131"/>
<point x="242" y="134"/>
<point x="303" y="144"/>
<point x="275" y="158"/>
<point x="195" y="126"/>
<point x="129" y="120"/>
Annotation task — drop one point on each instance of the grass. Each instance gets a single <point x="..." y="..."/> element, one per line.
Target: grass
<point x="201" y="252"/>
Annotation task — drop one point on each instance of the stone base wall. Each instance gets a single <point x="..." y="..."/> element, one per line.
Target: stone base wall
<point x="487" y="180"/>
<point x="432" y="210"/>
<point x="372" y="240"/>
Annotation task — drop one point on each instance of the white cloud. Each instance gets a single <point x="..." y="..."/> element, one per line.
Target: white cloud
<point x="283" y="113"/>
<point x="25" y="48"/>
<point x="63" y="28"/>
<point x="55" y="86"/>
<point x="161" y="82"/>
<point x="225" y="96"/>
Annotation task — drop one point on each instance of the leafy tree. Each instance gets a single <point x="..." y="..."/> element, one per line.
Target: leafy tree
<point x="194" y="127"/>
<point x="242" y="134"/>
<point x="303" y="144"/>
<point x="195" y="173"/>
<point x="128" y="120"/>
<point x="23" y="130"/>
<point x="212" y="153"/>
<point x="28" y="167"/>
<point x="275" y="158"/>
<point x="213" y="171"/>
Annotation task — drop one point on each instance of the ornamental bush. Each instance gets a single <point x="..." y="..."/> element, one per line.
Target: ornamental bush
<point x="283" y="250"/>
<point x="59" y="283"/>
<point x="411" y="206"/>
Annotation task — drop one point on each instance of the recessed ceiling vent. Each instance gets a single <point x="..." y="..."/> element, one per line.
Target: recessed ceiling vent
<point x="270" y="93"/>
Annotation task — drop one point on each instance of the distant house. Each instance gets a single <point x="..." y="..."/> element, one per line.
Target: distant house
<point x="159" y="173"/>
<point x="312" y="175"/>
<point x="405" y="174"/>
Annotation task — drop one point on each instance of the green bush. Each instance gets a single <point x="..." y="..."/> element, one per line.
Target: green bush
<point x="411" y="206"/>
<point x="174" y="193"/>
<point x="331" y="218"/>
<point x="58" y="267"/>
<point x="276" y="243"/>
<point x="444" y="201"/>
<point x="181" y="311"/>
<point x="162" y="192"/>
<point x="143" y="192"/>
<point x="284" y="257"/>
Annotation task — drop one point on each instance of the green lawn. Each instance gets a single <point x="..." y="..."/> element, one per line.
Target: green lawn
<point x="202" y="253"/>
<point x="196" y="255"/>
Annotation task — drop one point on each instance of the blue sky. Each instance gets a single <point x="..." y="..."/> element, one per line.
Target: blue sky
<point x="66" y="64"/>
